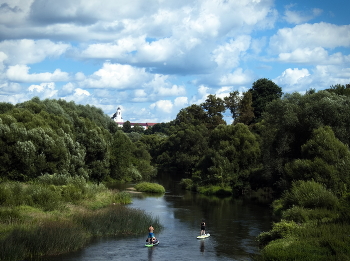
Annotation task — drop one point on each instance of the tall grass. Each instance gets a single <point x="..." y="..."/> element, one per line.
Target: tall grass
<point x="55" y="215"/>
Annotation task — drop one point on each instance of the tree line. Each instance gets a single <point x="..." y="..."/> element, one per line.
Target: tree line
<point x="274" y="139"/>
<point x="59" y="137"/>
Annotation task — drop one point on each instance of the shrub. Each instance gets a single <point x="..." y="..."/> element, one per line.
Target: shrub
<point x="309" y="194"/>
<point x="300" y="214"/>
<point x="149" y="187"/>
<point x="187" y="184"/>
<point x="279" y="230"/>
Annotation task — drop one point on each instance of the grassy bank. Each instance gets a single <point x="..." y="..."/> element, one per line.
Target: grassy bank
<point x="49" y="218"/>
<point x="213" y="190"/>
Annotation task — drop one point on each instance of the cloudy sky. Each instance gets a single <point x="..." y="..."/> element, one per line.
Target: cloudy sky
<point x="154" y="57"/>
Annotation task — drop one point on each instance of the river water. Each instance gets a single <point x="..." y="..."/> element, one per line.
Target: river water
<point x="232" y="223"/>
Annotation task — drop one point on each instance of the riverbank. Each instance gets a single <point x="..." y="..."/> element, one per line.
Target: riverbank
<point x="43" y="218"/>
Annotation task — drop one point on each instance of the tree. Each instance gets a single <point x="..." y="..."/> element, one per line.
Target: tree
<point x="182" y="150"/>
<point x="214" y="108"/>
<point x="234" y="154"/>
<point x="325" y="159"/>
<point x="263" y="91"/>
<point x="121" y="157"/>
<point x="232" y="103"/>
<point x="245" y="109"/>
<point x="288" y="124"/>
<point x="126" y="127"/>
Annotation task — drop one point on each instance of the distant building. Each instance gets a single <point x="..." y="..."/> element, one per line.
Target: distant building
<point x="117" y="117"/>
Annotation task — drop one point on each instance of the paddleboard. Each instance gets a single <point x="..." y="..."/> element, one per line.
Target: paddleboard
<point x="151" y="245"/>
<point x="204" y="236"/>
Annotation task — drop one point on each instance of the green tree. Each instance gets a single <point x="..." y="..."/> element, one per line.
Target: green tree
<point x="121" y="157"/>
<point x="232" y="103"/>
<point x="325" y="159"/>
<point x="182" y="150"/>
<point x="127" y="127"/>
<point x="263" y="91"/>
<point x="234" y="154"/>
<point x="214" y="107"/>
<point x="245" y="109"/>
<point x="288" y="124"/>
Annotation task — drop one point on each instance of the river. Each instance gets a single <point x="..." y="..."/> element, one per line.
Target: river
<point x="232" y="223"/>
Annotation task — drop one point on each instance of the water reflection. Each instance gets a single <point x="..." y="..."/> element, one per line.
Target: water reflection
<point x="202" y="247"/>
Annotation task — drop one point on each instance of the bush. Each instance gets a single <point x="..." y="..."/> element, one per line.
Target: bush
<point x="279" y="230"/>
<point x="187" y="184"/>
<point x="149" y="187"/>
<point x="309" y="194"/>
<point x="301" y="215"/>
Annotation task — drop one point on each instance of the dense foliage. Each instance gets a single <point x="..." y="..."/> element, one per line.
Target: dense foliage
<point x="59" y="137"/>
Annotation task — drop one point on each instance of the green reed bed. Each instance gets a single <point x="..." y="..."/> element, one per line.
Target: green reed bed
<point x="115" y="221"/>
<point x="41" y="219"/>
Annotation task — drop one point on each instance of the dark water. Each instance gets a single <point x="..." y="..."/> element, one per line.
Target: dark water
<point x="233" y="225"/>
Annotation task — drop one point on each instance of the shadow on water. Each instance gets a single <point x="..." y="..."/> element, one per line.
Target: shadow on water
<point x="232" y="223"/>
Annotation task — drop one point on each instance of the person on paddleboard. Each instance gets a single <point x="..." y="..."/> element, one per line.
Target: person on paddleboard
<point x="150" y="234"/>
<point x="203" y="228"/>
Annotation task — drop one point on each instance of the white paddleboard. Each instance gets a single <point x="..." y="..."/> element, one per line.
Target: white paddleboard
<point x="203" y="236"/>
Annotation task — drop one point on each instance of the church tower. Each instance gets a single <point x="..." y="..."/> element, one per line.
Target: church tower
<point x="117" y="117"/>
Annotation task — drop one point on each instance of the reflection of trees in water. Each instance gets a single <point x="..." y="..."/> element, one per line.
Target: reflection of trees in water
<point x="202" y="247"/>
<point x="234" y="223"/>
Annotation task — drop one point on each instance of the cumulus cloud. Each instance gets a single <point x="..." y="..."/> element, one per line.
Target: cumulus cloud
<point x="297" y="17"/>
<point x="309" y="36"/>
<point x="20" y="73"/>
<point x="238" y="77"/>
<point x="317" y="55"/>
<point x="28" y="51"/>
<point x="116" y="76"/>
<point x="181" y="102"/>
<point x="165" y="106"/>
<point x="228" y="54"/>
<point x="292" y="76"/>
<point x="44" y="90"/>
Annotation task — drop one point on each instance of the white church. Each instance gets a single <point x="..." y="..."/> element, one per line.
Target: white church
<point x="117" y="117"/>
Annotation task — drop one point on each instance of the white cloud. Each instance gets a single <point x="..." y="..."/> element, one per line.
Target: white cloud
<point x="19" y="73"/>
<point x="81" y="92"/>
<point x="116" y="76"/>
<point x="181" y="102"/>
<point x="292" y="76"/>
<point x="228" y="54"/>
<point x="44" y="90"/>
<point x="238" y="77"/>
<point x="310" y="36"/>
<point x="28" y="51"/>
<point x="165" y="106"/>
<point x="297" y="17"/>
<point x="317" y="55"/>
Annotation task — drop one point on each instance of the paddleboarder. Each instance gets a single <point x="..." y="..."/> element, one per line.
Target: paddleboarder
<point x="150" y="234"/>
<point x="203" y="228"/>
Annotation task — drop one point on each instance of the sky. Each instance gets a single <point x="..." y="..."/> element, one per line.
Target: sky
<point x="152" y="58"/>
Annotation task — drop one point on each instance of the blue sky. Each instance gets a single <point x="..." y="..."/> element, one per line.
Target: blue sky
<point x="153" y="58"/>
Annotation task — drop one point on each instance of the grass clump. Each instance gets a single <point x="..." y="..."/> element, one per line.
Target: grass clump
<point x="149" y="187"/>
